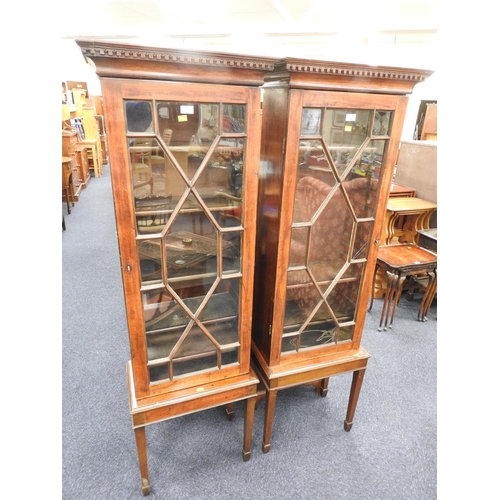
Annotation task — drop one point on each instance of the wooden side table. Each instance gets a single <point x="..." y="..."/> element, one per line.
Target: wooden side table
<point x="399" y="191"/>
<point x="400" y="261"/>
<point x="417" y="213"/>
<point x="427" y="238"/>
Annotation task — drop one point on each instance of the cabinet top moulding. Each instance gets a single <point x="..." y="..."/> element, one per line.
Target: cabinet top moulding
<point x="131" y="61"/>
<point x="348" y="77"/>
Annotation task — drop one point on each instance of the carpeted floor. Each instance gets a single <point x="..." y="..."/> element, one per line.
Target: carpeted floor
<point x="390" y="453"/>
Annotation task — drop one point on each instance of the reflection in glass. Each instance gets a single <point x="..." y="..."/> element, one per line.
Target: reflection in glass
<point x="370" y="161"/>
<point x="150" y="261"/>
<point x="299" y="242"/>
<point x="140" y="151"/>
<point x="178" y="122"/>
<point x="191" y="255"/>
<point x="196" y="333"/>
<point x="231" y="255"/>
<point x="233" y="118"/>
<point x="139" y="116"/>
<point x="311" y="121"/>
<point x="346" y="126"/>
<point x="221" y="181"/>
<point x="382" y="123"/>
<point x="152" y="213"/>
<point x="314" y="161"/>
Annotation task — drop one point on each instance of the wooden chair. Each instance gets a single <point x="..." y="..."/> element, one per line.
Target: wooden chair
<point x="157" y="157"/>
<point x="167" y="136"/>
<point x="152" y="213"/>
<point x="233" y="204"/>
<point x="140" y="159"/>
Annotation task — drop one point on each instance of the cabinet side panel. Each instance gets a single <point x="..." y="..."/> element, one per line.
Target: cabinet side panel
<point x="250" y="208"/>
<point x="274" y="126"/>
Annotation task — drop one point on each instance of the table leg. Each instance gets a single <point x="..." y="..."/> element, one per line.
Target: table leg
<point x="140" y="441"/>
<point x="389" y="292"/>
<point x="390" y="227"/>
<point x="268" y="419"/>
<point x="323" y="388"/>
<point x="230" y="411"/>
<point x="428" y="297"/>
<point x="397" y="295"/>
<point x="249" y="415"/>
<point x="409" y="229"/>
<point x="66" y="196"/>
<point x="357" y="381"/>
<point x="424" y="221"/>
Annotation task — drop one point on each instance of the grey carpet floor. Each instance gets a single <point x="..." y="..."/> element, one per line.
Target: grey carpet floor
<point x="390" y="453"/>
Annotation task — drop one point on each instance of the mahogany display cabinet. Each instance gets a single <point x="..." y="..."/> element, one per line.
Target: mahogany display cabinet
<point x="330" y="139"/>
<point x="184" y="132"/>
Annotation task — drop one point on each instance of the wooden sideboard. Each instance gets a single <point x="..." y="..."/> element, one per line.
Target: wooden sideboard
<point x="82" y="164"/>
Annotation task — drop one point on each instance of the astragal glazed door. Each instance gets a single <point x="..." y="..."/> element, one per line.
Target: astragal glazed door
<point x="184" y="174"/>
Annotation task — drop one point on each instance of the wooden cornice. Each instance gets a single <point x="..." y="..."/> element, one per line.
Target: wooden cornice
<point x="113" y="59"/>
<point x="325" y="75"/>
<point x="131" y="61"/>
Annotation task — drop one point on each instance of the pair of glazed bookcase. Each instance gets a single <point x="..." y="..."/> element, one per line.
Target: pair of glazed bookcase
<point x="249" y="195"/>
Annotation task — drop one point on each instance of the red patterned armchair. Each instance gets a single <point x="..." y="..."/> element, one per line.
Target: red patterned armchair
<point x="330" y="239"/>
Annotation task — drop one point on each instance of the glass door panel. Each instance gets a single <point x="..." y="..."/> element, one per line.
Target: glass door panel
<point x="187" y="180"/>
<point x="341" y="153"/>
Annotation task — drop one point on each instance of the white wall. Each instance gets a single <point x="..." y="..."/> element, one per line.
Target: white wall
<point x="76" y="69"/>
<point x="425" y="91"/>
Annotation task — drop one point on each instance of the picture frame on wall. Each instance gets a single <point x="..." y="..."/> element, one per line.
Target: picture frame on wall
<point x="337" y="136"/>
<point x="338" y="118"/>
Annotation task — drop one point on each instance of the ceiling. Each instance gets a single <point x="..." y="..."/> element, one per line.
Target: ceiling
<point x="391" y="32"/>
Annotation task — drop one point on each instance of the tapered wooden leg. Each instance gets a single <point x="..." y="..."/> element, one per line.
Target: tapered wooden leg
<point x="140" y="441"/>
<point x="230" y="411"/>
<point x="320" y="386"/>
<point x="357" y="381"/>
<point x="66" y="195"/>
<point x="249" y="415"/>
<point x="323" y="388"/>
<point x="268" y="420"/>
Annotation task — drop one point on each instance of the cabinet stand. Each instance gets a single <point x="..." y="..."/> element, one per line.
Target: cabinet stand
<point x="285" y="377"/>
<point x="225" y="392"/>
